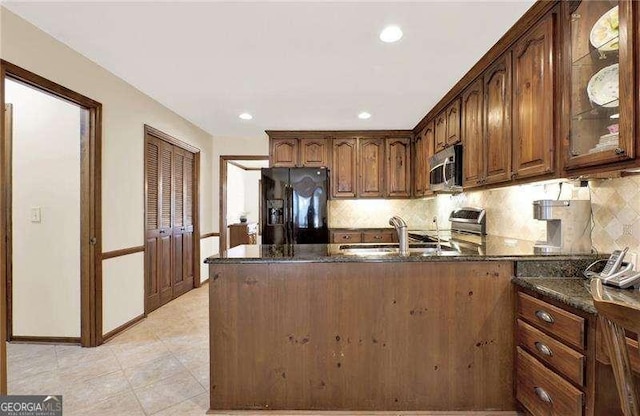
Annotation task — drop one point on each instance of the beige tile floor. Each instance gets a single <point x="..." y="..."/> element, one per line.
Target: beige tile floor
<point x="158" y="367"/>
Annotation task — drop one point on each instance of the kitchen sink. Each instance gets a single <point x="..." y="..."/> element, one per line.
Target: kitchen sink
<point x="419" y="249"/>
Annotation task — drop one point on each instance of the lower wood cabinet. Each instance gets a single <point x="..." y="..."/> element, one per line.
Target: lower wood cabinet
<point x="542" y="391"/>
<point x="242" y="234"/>
<point x="561" y="363"/>
<point x="364" y="235"/>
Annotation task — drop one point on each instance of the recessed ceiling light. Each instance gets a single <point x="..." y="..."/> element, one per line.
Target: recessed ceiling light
<point x="245" y="116"/>
<point x="391" y="34"/>
<point x="364" y="115"/>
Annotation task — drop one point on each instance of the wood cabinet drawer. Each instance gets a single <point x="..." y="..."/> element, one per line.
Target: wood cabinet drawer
<point x="565" y="360"/>
<point x="556" y="321"/>
<point x="346" y="237"/>
<point x="377" y="237"/>
<point x="542" y="391"/>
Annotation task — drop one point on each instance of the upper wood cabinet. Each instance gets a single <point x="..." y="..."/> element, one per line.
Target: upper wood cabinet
<point x="472" y="133"/>
<point x="314" y="153"/>
<point x="453" y="123"/>
<point x="533" y="100"/>
<point x="343" y="170"/>
<point x="422" y="151"/>
<point x="497" y="120"/>
<point x="398" y="169"/>
<point x="371" y="167"/>
<point x="441" y="131"/>
<point x="429" y="149"/>
<point x="284" y="153"/>
<point x="418" y="164"/>
<point x="287" y="152"/>
<point x="601" y="89"/>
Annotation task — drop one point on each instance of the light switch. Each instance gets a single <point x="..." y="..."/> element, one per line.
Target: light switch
<point x="36" y="214"/>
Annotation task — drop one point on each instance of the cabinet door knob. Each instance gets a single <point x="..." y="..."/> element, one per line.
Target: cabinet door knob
<point x="620" y="151"/>
<point x="543" y="395"/>
<point x="543" y="349"/>
<point x="545" y="316"/>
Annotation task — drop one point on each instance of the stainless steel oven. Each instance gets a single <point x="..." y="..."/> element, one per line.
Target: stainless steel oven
<point x="445" y="170"/>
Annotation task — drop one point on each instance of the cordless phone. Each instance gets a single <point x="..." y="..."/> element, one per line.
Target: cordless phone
<point x="614" y="262"/>
<point x="615" y="272"/>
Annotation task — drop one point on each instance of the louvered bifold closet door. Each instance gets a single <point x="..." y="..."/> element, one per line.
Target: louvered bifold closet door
<point x="166" y="222"/>
<point x="182" y="234"/>
<point x="189" y="238"/>
<point x="153" y="220"/>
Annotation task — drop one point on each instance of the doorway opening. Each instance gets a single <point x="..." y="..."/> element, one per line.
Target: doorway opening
<point x="50" y="213"/>
<point x="172" y="226"/>
<point x="240" y="199"/>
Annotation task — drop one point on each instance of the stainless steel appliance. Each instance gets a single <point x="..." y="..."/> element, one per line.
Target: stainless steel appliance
<point x="568" y="225"/>
<point x="468" y="228"/>
<point x="445" y="170"/>
<point x="294" y="206"/>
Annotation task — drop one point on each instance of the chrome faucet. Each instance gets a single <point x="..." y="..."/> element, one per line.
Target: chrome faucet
<point x="403" y="237"/>
<point x="439" y="246"/>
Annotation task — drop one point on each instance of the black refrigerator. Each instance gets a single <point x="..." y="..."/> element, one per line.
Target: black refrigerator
<point x="294" y="206"/>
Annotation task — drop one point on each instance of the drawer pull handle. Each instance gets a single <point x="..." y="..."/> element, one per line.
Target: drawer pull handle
<point x="378" y="237"/>
<point x="544" y="316"/>
<point x="543" y="395"/>
<point x="543" y="349"/>
<point x="346" y="237"/>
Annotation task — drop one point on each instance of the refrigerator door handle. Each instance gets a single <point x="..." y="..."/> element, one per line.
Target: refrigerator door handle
<point x="289" y="219"/>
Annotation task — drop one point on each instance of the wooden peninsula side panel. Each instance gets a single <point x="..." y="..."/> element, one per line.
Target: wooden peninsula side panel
<point x="362" y="336"/>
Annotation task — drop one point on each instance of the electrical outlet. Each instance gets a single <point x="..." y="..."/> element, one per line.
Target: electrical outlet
<point x="36" y="215"/>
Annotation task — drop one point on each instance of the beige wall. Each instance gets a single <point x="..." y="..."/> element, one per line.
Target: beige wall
<point x="46" y="177"/>
<point x="125" y="111"/>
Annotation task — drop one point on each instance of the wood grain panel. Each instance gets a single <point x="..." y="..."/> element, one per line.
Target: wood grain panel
<point x="565" y="400"/>
<point x="314" y="153"/>
<point x="568" y="362"/>
<point x="497" y="120"/>
<point x="453" y="123"/>
<point x="343" y="177"/>
<point x="473" y="135"/>
<point x="398" y="168"/>
<point x="440" y="131"/>
<point x="533" y="106"/>
<point x="371" y="167"/>
<point x="565" y="325"/>
<point x="284" y="153"/>
<point x="378" y="236"/>
<point x="346" y="237"/>
<point x="331" y="336"/>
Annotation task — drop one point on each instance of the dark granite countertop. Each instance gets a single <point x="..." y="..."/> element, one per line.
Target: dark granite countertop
<point x="574" y="291"/>
<point x="491" y="249"/>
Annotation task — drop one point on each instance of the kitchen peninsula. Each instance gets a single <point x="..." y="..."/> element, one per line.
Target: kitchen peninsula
<point x="309" y="328"/>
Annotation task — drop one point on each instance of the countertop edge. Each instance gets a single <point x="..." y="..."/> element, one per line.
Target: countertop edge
<point x="575" y="293"/>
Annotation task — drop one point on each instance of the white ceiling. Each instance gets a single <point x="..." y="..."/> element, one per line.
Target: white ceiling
<point x="293" y="65"/>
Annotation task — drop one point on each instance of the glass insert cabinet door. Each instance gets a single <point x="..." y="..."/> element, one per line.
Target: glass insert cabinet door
<point x="601" y="83"/>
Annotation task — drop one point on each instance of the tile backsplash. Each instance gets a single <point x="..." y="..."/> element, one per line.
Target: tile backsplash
<point x="615" y="205"/>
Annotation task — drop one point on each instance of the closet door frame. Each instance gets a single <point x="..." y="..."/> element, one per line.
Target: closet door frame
<point x="157" y="134"/>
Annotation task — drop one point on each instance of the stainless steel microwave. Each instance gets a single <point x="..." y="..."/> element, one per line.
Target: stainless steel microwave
<point x="445" y="170"/>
